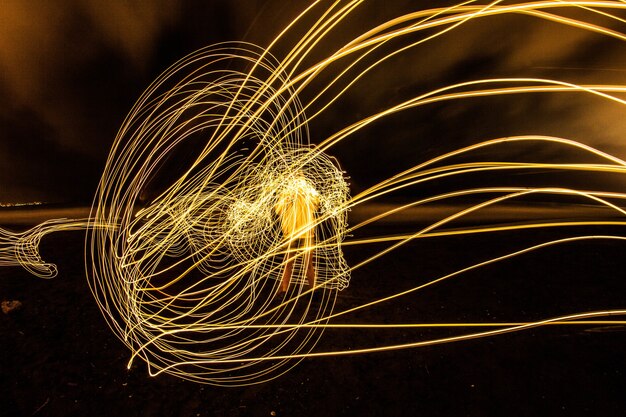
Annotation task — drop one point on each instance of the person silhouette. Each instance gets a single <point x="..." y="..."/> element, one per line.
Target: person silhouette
<point x="296" y="203"/>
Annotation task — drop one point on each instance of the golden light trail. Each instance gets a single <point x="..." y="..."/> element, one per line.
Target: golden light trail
<point x="185" y="250"/>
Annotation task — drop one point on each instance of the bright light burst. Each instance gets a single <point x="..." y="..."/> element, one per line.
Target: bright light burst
<point x="185" y="248"/>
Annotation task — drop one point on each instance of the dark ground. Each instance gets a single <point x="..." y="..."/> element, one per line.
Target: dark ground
<point x="60" y="359"/>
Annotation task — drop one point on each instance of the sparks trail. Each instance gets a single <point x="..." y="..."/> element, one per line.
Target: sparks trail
<point x="214" y="198"/>
<point x="22" y="248"/>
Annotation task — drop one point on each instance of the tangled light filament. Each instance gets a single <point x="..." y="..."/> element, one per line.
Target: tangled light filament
<point x="186" y="245"/>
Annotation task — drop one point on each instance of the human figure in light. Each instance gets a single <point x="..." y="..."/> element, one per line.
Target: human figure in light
<point x="296" y="204"/>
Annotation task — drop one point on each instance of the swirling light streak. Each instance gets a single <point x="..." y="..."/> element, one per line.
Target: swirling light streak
<point x="185" y="252"/>
<point x="22" y="248"/>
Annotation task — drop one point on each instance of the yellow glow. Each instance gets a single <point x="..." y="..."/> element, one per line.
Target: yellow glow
<point x="188" y="281"/>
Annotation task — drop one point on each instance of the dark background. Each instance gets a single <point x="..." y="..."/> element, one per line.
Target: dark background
<point x="59" y="355"/>
<point x="70" y="71"/>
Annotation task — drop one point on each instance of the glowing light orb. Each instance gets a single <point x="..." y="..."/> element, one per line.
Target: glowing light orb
<point x="184" y="280"/>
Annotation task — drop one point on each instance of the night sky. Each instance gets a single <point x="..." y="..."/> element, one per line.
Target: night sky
<point x="70" y="71"/>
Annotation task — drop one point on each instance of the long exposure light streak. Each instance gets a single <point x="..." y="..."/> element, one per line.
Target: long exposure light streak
<point x="185" y="250"/>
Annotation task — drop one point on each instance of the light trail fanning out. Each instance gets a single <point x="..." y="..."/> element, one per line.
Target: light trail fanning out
<point x="184" y="248"/>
